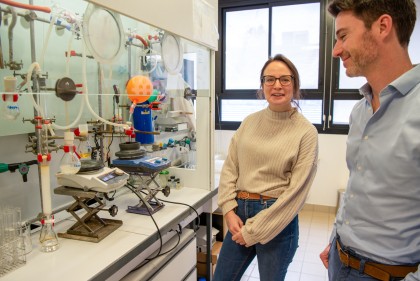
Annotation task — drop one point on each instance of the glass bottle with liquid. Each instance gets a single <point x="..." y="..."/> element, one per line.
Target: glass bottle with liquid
<point x="70" y="162"/>
<point x="84" y="149"/>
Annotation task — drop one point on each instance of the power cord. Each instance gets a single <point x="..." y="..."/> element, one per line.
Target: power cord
<point x="133" y="189"/>
<point x="146" y="261"/>
<point x="189" y="206"/>
<point x="184" y="204"/>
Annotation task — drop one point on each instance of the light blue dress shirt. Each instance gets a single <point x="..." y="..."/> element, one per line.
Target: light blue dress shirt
<point x="380" y="214"/>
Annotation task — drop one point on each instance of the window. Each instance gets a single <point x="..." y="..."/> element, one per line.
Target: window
<point x="251" y="31"/>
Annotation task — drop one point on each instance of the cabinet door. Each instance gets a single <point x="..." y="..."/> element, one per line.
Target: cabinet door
<point x="180" y="265"/>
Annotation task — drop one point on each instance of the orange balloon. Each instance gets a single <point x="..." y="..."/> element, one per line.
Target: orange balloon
<point x="139" y="88"/>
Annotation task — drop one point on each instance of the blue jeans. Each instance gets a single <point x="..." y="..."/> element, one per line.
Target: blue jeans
<point x="273" y="257"/>
<point x="339" y="272"/>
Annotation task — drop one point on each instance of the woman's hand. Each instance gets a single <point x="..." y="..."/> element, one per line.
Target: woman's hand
<point x="233" y="222"/>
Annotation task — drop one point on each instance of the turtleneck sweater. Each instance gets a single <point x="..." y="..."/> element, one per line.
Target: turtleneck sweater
<point x="273" y="154"/>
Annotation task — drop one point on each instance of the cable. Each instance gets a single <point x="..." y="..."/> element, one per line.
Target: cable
<point x="133" y="189"/>
<point x="146" y="261"/>
<point x="108" y="158"/>
<point x="179" y="203"/>
<point x="191" y="207"/>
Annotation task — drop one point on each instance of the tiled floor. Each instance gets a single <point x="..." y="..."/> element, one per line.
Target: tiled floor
<point x="315" y="225"/>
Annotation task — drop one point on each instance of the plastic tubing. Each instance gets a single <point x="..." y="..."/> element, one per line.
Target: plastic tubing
<point x="34" y="66"/>
<point x="85" y="91"/>
<point x="68" y="56"/>
<point x="47" y="38"/>
<point x="146" y="45"/>
<point x="79" y="115"/>
<point x="26" y="6"/>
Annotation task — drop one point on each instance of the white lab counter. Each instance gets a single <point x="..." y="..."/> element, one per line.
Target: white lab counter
<point x="117" y="254"/>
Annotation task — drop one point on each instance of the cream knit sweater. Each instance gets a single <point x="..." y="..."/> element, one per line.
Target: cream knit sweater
<point x="273" y="154"/>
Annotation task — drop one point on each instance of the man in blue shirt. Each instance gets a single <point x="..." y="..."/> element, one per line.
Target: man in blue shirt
<point x="376" y="235"/>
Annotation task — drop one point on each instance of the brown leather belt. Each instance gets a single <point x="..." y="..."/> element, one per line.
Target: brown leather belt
<point x="252" y="196"/>
<point x="379" y="271"/>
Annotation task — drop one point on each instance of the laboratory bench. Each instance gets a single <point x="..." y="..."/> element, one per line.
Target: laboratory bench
<point x="137" y="239"/>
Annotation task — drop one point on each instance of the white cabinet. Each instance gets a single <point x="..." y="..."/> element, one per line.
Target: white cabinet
<point x="195" y="20"/>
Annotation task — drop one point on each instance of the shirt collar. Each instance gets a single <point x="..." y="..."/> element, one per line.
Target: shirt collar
<point x="402" y="84"/>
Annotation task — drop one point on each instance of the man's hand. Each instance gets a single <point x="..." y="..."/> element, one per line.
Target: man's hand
<point x="324" y="256"/>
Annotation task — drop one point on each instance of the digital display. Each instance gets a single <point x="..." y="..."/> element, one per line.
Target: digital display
<point x="108" y="177"/>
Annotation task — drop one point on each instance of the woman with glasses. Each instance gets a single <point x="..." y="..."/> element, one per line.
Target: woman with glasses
<point x="266" y="178"/>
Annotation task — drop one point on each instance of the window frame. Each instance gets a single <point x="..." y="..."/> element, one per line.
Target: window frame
<point x="329" y="67"/>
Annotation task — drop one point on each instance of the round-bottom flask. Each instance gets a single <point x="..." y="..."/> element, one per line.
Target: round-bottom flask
<point x="70" y="163"/>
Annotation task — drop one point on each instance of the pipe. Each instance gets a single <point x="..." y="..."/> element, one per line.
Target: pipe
<point x="47" y="38"/>
<point x="26" y="6"/>
<point x="35" y="66"/>
<point x="1" y="48"/>
<point x="146" y="45"/>
<point x="10" y="34"/>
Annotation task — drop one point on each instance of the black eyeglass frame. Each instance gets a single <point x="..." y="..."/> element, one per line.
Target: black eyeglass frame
<point x="275" y="79"/>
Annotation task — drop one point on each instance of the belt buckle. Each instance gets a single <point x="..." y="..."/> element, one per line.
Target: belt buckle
<point x="247" y="195"/>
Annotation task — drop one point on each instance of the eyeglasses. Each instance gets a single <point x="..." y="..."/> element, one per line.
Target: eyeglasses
<point x="285" y="80"/>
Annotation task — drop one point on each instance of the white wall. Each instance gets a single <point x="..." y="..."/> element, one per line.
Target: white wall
<point x="332" y="170"/>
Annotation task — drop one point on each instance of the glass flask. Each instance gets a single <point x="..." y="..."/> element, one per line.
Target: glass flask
<point x="48" y="237"/>
<point x="70" y="162"/>
<point x="84" y="149"/>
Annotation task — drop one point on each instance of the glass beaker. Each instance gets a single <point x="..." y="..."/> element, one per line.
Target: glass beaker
<point x="25" y="235"/>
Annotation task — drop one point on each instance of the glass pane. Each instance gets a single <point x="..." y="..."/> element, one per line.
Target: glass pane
<point x="237" y="110"/>
<point x="312" y="110"/>
<point x="414" y="45"/>
<point x="246" y="47"/>
<point x="346" y="82"/>
<point x="295" y="33"/>
<point x="356" y="82"/>
<point x="342" y="110"/>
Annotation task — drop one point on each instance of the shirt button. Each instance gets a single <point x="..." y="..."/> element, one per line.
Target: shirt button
<point x="347" y="222"/>
<point x="366" y="137"/>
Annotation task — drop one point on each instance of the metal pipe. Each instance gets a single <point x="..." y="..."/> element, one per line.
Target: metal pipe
<point x="33" y="17"/>
<point x="36" y="97"/>
<point x="12" y="11"/>
<point x="101" y="141"/>
<point x="1" y="48"/>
